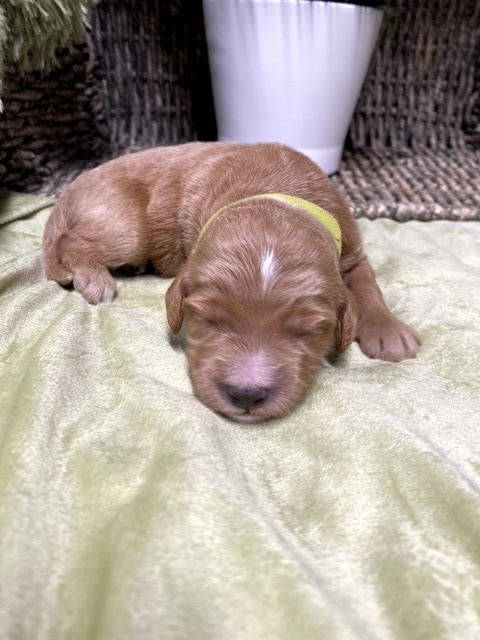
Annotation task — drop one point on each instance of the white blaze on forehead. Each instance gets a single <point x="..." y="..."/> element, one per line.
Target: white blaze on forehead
<point x="253" y="371"/>
<point x="267" y="268"/>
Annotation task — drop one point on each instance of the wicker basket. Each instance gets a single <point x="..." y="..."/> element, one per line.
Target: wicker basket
<point x="414" y="137"/>
<point x="141" y="79"/>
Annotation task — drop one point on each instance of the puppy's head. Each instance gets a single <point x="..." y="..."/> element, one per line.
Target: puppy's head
<point x="263" y="303"/>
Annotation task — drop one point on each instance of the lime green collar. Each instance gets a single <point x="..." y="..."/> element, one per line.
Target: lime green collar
<point x="324" y="217"/>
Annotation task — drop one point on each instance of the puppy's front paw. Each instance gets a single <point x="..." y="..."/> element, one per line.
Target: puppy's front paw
<point x="386" y="338"/>
<point x="96" y="284"/>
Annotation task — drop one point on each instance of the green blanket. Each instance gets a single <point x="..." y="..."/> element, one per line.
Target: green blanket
<point x="128" y="510"/>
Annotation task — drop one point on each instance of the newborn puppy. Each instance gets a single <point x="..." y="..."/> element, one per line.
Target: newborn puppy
<point x="267" y="285"/>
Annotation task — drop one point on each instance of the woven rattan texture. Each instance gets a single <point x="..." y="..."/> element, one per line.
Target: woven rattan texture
<point x="415" y="132"/>
<point x="420" y="90"/>
<point x="411" y="185"/>
<point x="142" y="79"/>
<point x="153" y="67"/>
<point x="51" y="124"/>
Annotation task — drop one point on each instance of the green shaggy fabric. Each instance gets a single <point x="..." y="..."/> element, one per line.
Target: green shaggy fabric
<point x="129" y="511"/>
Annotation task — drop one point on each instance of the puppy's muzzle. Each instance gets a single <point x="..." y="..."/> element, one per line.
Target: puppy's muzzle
<point x="246" y="398"/>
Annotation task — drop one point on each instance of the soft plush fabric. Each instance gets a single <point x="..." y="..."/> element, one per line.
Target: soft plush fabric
<point x="129" y="511"/>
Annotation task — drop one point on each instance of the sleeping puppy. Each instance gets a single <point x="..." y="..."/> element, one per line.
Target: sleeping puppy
<point x="270" y="275"/>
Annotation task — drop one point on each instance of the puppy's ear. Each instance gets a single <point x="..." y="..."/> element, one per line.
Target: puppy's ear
<point x="346" y="328"/>
<point x="174" y="297"/>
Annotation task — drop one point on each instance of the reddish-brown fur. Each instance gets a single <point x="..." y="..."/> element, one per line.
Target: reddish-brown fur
<point x="263" y="293"/>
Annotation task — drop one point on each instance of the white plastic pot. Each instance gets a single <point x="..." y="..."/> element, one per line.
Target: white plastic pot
<point x="289" y="71"/>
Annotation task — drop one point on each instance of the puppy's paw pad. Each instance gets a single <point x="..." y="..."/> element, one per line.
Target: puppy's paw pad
<point x="388" y="339"/>
<point x="95" y="285"/>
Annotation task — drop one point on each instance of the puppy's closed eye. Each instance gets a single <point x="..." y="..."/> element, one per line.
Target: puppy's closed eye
<point x="209" y="312"/>
<point x="309" y="324"/>
<point x="210" y="323"/>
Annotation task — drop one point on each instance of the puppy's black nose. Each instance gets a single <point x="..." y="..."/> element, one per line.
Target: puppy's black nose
<point x="246" y="398"/>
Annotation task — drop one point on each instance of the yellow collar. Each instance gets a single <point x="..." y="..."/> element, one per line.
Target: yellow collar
<point x="324" y="217"/>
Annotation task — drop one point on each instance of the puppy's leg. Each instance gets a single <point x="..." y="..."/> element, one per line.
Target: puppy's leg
<point x="379" y="333"/>
<point x="84" y="263"/>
